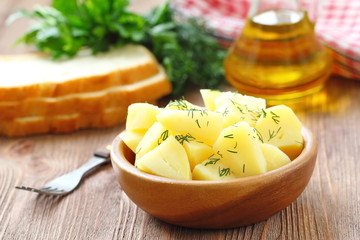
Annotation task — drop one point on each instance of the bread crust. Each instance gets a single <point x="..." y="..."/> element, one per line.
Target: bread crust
<point x="136" y="72"/>
<point x="91" y="103"/>
<point x="95" y="101"/>
<point x="64" y="123"/>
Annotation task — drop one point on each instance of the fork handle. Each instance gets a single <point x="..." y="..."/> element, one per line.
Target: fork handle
<point x="101" y="156"/>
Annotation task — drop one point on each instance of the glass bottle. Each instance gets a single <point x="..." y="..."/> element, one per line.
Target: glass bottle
<point x="277" y="56"/>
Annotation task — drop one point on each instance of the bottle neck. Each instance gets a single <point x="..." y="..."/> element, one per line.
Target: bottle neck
<point x="259" y="6"/>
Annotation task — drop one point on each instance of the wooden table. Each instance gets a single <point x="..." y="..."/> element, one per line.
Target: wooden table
<point x="329" y="208"/>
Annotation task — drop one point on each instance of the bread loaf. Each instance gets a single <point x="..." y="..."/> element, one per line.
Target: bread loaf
<point x="42" y="96"/>
<point x="62" y="123"/>
<point x="34" y="75"/>
<point x="89" y="102"/>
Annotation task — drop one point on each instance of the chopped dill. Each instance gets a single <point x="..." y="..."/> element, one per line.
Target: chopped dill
<point x="258" y="134"/>
<point x="138" y="150"/>
<point x="263" y="113"/>
<point x="232" y="151"/>
<point x="197" y="122"/>
<point x="180" y="104"/>
<point x="229" y="136"/>
<point x="212" y="160"/>
<point x="240" y="110"/>
<point x="224" y="172"/>
<point x="191" y="112"/>
<point x="275" y="117"/>
<point x="226" y="111"/>
<point x="164" y="135"/>
<point x="184" y="138"/>
<point x="273" y="134"/>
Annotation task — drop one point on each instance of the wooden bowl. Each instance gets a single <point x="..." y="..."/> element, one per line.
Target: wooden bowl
<point x="214" y="204"/>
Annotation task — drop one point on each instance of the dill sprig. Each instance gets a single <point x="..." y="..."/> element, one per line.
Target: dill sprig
<point x="275" y="117"/>
<point x="164" y="135"/>
<point x="184" y="138"/>
<point x="224" y="172"/>
<point x="273" y="134"/>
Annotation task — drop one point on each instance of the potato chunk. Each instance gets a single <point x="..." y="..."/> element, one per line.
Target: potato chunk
<point x="182" y="104"/>
<point x="208" y="97"/>
<point x="132" y="138"/>
<point x="274" y="157"/>
<point x="197" y="152"/>
<point x="236" y="107"/>
<point x="240" y="149"/>
<point x="212" y="172"/>
<point x="141" y="116"/>
<point x="280" y="127"/>
<point x="156" y="134"/>
<point x="203" y="125"/>
<point x="169" y="159"/>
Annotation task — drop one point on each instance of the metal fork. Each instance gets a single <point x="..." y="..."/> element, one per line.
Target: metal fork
<point x="67" y="183"/>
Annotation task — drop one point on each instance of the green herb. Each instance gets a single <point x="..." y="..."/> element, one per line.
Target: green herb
<point x="275" y="117"/>
<point x="224" y="172"/>
<point x="263" y="112"/>
<point x="188" y="53"/>
<point x="240" y="110"/>
<point x="164" y="135"/>
<point x="229" y="136"/>
<point x="226" y="112"/>
<point x="212" y="160"/>
<point x="180" y="104"/>
<point x="232" y="151"/>
<point x="203" y="112"/>
<point x="138" y="150"/>
<point x="273" y="134"/>
<point x="184" y="138"/>
<point x="191" y="112"/>
<point x="258" y="135"/>
<point x="197" y="122"/>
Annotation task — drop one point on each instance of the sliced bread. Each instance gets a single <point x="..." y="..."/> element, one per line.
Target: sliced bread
<point x="153" y="87"/>
<point x="64" y="123"/>
<point x="34" y="75"/>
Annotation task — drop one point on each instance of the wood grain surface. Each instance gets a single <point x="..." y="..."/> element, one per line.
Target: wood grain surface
<point x="329" y="208"/>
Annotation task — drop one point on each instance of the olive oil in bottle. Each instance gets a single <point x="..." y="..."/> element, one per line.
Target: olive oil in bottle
<point x="277" y="56"/>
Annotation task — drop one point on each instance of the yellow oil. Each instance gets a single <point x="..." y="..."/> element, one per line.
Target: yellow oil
<point x="277" y="56"/>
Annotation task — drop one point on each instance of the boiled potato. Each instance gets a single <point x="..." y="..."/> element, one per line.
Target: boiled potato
<point x="280" y="127"/>
<point x="234" y="136"/>
<point x="156" y="134"/>
<point x="274" y="157"/>
<point x="141" y="116"/>
<point x="204" y="126"/>
<point x="240" y="149"/>
<point x="208" y="97"/>
<point x="236" y="107"/>
<point x="212" y="171"/>
<point x="132" y="138"/>
<point x="196" y="151"/>
<point x="182" y="104"/>
<point x="168" y="159"/>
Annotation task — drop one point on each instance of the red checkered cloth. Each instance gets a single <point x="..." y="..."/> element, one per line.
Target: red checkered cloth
<point x="337" y="25"/>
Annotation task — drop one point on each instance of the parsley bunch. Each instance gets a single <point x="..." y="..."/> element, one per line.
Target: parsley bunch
<point x="188" y="53"/>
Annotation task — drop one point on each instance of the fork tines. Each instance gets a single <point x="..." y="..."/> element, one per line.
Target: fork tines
<point x="43" y="190"/>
